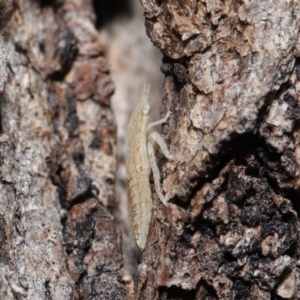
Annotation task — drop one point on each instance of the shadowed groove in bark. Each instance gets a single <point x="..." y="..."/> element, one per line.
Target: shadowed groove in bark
<point x="108" y="10"/>
<point x="66" y="55"/>
<point x="55" y="4"/>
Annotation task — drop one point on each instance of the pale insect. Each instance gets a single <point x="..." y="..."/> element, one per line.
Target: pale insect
<point x="140" y="159"/>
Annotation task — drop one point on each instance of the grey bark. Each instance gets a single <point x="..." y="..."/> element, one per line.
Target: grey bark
<point x="58" y="239"/>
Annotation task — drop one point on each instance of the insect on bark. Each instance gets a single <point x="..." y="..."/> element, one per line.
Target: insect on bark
<point x="140" y="160"/>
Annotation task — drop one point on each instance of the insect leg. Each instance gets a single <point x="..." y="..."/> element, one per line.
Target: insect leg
<point x="155" y="137"/>
<point x="161" y="121"/>
<point x="156" y="173"/>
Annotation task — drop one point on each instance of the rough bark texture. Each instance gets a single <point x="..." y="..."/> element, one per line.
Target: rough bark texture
<point x="232" y="83"/>
<point x="231" y="230"/>
<point x="57" y="165"/>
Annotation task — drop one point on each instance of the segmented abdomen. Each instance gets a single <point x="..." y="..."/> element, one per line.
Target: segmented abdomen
<point x="140" y="208"/>
<point x="137" y="166"/>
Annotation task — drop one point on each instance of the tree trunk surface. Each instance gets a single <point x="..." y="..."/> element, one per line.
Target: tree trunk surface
<point x="58" y="156"/>
<point x="231" y="230"/>
<point x="232" y="83"/>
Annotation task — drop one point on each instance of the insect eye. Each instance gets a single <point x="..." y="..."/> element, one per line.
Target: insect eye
<point x="146" y="109"/>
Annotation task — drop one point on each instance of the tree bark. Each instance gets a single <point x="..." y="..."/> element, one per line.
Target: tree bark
<point x="231" y="230"/>
<point x="58" y="144"/>
<point x="232" y="83"/>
